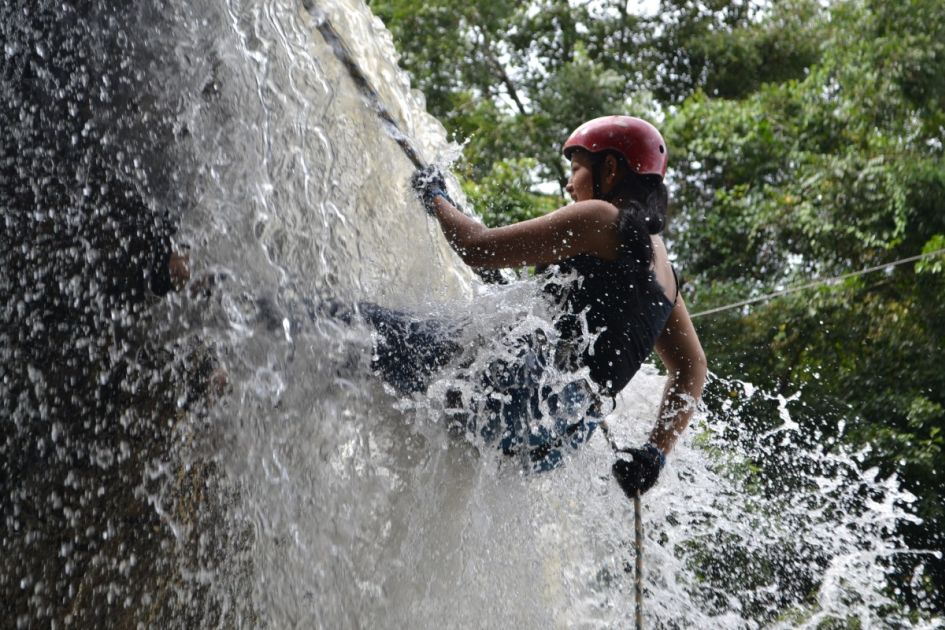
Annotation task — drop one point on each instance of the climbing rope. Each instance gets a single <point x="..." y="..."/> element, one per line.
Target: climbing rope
<point x="637" y="539"/>
<point x="817" y="283"/>
<point x="638" y="566"/>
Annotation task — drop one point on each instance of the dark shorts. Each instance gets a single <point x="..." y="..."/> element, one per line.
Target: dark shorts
<point x="507" y="407"/>
<point x="537" y="424"/>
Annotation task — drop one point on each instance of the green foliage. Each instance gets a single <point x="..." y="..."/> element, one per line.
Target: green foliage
<point x="513" y="79"/>
<point x="502" y="197"/>
<point x="805" y="142"/>
<point x="818" y="177"/>
<point x="728" y="48"/>
<point x="934" y="248"/>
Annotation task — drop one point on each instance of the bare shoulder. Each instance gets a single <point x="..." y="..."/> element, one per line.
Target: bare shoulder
<point x="587" y="227"/>
<point x="592" y="224"/>
<point x="595" y="211"/>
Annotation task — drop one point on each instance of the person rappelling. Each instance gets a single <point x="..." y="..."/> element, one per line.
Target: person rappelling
<point x="616" y="293"/>
<point x="626" y="289"/>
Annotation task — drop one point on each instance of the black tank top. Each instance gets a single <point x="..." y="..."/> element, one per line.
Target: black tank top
<point x="626" y="310"/>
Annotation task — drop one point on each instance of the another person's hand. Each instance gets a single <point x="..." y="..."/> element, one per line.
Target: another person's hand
<point x="429" y="183"/>
<point x="639" y="473"/>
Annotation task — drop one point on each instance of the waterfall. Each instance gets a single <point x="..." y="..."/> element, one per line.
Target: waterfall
<point x="224" y="454"/>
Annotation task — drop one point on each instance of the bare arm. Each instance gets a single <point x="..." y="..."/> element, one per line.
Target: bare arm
<point x="679" y="348"/>
<point x="585" y="227"/>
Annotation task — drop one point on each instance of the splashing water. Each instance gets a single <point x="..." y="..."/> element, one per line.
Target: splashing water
<point x="224" y="455"/>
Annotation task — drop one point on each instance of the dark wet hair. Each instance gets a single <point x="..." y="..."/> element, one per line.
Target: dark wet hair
<point x="649" y="200"/>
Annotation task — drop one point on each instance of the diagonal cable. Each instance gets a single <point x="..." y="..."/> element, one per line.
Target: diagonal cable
<point x="817" y="283"/>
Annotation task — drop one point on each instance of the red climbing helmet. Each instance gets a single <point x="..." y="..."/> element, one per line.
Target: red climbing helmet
<point x="639" y="142"/>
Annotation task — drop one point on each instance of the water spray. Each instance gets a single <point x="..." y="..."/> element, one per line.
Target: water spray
<point x="637" y="540"/>
<point x="371" y="95"/>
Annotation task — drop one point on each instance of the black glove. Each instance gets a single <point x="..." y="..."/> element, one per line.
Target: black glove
<point x="638" y="474"/>
<point x="429" y="184"/>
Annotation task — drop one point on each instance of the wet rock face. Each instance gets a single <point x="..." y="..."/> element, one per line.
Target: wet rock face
<point x="92" y="402"/>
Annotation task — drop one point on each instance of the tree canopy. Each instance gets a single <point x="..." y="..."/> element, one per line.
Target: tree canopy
<point x="806" y="142"/>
